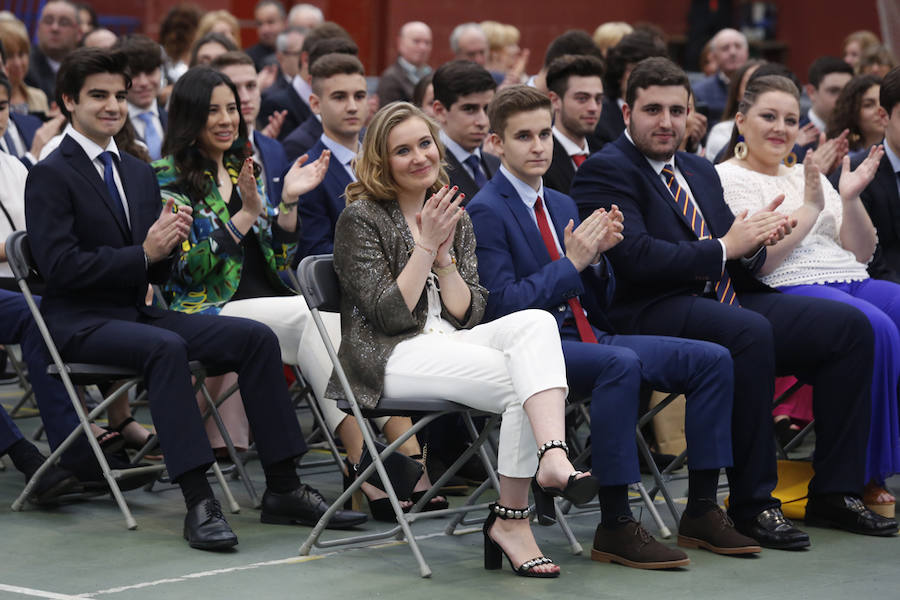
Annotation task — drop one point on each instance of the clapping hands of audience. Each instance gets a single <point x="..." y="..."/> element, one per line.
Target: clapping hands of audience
<point x="250" y="201"/>
<point x="437" y="221"/>
<point x="276" y="120"/>
<point x="813" y="196"/>
<point x="747" y="234"/>
<point x="596" y="234"/>
<point x="302" y="178"/>
<point x="830" y="152"/>
<point x="170" y="229"/>
<point x="852" y="183"/>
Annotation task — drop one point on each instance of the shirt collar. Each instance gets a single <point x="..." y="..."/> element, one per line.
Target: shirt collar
<point x="135" y="111"/>
<point x="568" y="145"/>
<point x="340" y="152"/>
<point x="656" y="165"/>
<point x="527" y="194"/>
<point x="412" y="71"/>
<point x="460" y="153"/>
<point x="302" y="87"/>
<point x="816" y="120"/>
<point x="90" y="147"/>
<point x="892" y="157"/>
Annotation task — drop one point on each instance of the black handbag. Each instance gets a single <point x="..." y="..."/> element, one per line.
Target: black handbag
<point x="403" y="471"/>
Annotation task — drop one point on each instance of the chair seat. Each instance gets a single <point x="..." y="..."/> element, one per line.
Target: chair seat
<point x="94" y="374"/>
<point x="405" y="407"/>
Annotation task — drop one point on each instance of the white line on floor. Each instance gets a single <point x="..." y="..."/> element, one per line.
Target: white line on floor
<point x="24" y="591"/>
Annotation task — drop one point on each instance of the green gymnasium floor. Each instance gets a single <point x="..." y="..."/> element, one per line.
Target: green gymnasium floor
<point x="83" y="550"/>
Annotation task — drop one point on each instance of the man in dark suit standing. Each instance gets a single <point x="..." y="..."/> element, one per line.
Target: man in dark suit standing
<point x="686" y="269"/>
<point x="413" y="51"/>
<point x="533" y="252"/>
<point x="576" y="90"/>
<point x="57" y="35"/>
<point x="462" y="92"/>
<point x="99" y="238"/>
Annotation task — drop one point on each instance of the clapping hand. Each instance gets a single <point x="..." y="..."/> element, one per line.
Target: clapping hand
<point x="813" y="196"/>
<point x="276" y="121"/>
<point x="170" y="229"/>
<point x="613" y="234"/>
<point x="830" y="152"/>
<point x="302" y="178"/>
<point x="250" y="200"/>
<point x="437" y="221"/>
<point x="852" y="183"/>
<point x="746" y="235"/>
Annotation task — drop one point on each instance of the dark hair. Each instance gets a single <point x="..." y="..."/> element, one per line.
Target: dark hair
<point x="334" y="64"/>
<point x="2" y="53"/>
<point x="756" y="87"/>
<point x="775" y="69"/>
<point x="177" y="29"/>
<point x="734" y="88"/>
<point x="846" y="109"/>
<point x="4" y="82"/>
<point x="212" y="36"/>
<point x="188" y="113"/>
<point x="631" y="49"/>
<point x="573" y="41"/>
<point x="143" y="54"/>
<point x="562" y="68"/>
<point x="513" y="100"/>
<point x="656" y="70"/>
<point x="419" y="90"/>
<point x="126" y="141"/>
<point x="825" y="65"/>
<point x="889" y="97"/>
<point x="231" y="59"/>
<point x="90" y="11"/>
<point x="276" y="3"/>
<point x="331" y="46"/>
<point x="83" y="62"/>
<point x="460" y="78"/>
<point x="323" y="31"/>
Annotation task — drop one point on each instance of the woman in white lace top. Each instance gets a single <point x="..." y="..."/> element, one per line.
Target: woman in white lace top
<point x="826" y="254"/>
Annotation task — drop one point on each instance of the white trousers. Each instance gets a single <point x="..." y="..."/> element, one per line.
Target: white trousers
<point x="494" y="367"/>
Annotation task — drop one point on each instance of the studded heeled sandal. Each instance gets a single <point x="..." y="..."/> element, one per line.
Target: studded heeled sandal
<point x="578" y="490"/>
<point x="493" y="553"/>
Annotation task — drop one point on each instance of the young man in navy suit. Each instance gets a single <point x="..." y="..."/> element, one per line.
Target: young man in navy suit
<point x="147" y="116"/>
<point x="686" y="268"/>
<point x="533" y="252"/>
<point x="99" y="238"/>
<point x="339" y="98"/>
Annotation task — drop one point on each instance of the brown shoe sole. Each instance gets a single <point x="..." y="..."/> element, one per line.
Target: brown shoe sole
<point x="689" y="542"/>
<point x="606" y="557"/>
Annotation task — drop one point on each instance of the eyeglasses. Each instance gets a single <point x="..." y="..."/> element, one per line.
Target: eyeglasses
<point x="50" y="21"/>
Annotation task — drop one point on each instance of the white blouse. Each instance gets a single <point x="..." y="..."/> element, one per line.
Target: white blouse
<point x="12" y="196"/>
<point x="819" y="258"/>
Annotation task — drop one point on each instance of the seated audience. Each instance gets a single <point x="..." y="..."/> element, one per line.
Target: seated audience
<point x="99" y="38"/>
<point x="878" y="61"/>
<point x="87" y="18"/>
<point x="221" y="22"/>
<point x="98" y="260"/>
<point x="468" y="42"/>
<point x="271" y="20"/>
<point x="721" y="132"/>
<point x="708" y="64"/>
<point x="730" y="49"/>
<point x="608" y="35"/>
<point x="857" y="110"/>
<point x="25" y="99"/>
<point x="856" y="44"/>
<point x="413" y="52"/>
<point x="692" y="278"/>
<point x="462" y="92"/>
<point x="57" y="35"/>
<point x="209" y="46"/>
<point x="576" y="90"/>
<point x="826" y="254"/>
<point x="402" y="234"/>
<point x="827" y="77"/>
<point x="282" y="101"/>
<point x="145" y="113"/>
<point x="504" y="53"/>
<point x="528" y="267"/>
<point x="575" y="42"/>
<point x="305" y="15"/>
<point x="423" y="96"/>
<point x="176" y="34"/>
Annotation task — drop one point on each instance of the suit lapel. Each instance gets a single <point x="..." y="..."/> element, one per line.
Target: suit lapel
<point x="526" y="224"/>
<point x="459" y="176"/>
<point x="86" y="170"/>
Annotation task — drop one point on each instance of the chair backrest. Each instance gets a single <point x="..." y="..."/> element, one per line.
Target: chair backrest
<point x="319" y="283"/>
<point x="18" y="254"/>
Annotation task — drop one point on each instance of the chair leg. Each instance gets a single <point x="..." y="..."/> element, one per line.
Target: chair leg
<point x="319" y="420"/>
<point x="229" y="497"/>
<point x="664" y="531"/>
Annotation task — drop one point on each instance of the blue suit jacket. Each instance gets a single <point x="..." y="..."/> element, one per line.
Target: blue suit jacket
<point x="283" y="96"/>
<point x="513" y="262"/>
<point x="276" y="164"/>
<point x="660" y="255"/>
<point x="320" y="208"/>
<point x="27" y="126"/>
<point x="92" y="262"/>
<point x="303" y="138"/>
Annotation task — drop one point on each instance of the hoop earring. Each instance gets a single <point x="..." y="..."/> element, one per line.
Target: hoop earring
<point x="740" y="149"/>
<point x="790" y="160"/>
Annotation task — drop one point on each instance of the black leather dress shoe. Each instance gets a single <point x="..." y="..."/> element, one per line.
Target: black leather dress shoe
<point x="305" y="506"/>
<point x="772" y="530"/>
<point x="205" y="527"/>
<point x="847" y="513"/>
<point x="55" y="483"/>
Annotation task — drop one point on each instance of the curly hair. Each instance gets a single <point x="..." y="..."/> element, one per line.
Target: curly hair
<point x="846" y="110"/>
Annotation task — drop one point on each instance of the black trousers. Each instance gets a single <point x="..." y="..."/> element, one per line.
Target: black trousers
<point x="827" y="344"/>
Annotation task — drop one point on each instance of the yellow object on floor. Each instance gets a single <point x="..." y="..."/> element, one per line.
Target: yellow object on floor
<point x="792" y="488"/>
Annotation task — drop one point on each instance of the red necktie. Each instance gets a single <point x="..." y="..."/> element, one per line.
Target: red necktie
<point x="688" y="211"/>
<point x="578" y="159"/>
<point x="581" y="323"/>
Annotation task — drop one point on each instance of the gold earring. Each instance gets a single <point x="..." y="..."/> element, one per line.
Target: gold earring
<point x="740" y="149"/>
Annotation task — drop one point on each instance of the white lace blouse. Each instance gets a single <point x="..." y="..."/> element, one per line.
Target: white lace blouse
<point x="819" y="258"/>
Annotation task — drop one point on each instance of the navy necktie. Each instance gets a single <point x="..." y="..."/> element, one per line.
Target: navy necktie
<point x="10" y="144"/>
<point x="477" y="173"/>
<point x="110" y="181"/>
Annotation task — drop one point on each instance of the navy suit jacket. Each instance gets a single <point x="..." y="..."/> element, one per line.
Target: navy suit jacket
<point x="611" y="123"/>
<point x="320" y="208"/>
<point x="27" y="126"/>
<point x="92" y="262"/>
<point x="713" y="92"/>
<point x="283" y="96"/>
<point x="515" y="266"/>
<point x="460" y="177"/>
<point x="660" y="255"/>
<point x="276" y="164"/>
<point x="562" y="170"/>
<point x="40" y="73"/>
<point x="303" y="138"/>
<point x="882" y="201"/>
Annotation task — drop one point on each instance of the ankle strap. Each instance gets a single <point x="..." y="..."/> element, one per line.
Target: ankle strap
<point x="550" y="446"/>
<point x="505" y="512"/>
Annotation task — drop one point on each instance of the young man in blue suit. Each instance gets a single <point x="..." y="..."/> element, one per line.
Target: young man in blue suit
<point x="99" y="238"/>
<point x="686" y="268"/>
<point x="533" y="252"/>
<point x="339" y="99"/>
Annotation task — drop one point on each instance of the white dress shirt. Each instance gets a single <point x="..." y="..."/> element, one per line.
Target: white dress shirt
<point x="341" y="153"/>
<point x="461" y="154"/>
<point x="93" y="151"/>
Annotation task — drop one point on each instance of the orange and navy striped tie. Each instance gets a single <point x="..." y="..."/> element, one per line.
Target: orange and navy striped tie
<point x="688" y="211"/>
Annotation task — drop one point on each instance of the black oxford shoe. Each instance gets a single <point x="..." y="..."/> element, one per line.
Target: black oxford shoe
<point x="847" y="513"/>
<point x="205" y="527"/>
<point x="772" y="530"/>
<point x="305" y="506"/>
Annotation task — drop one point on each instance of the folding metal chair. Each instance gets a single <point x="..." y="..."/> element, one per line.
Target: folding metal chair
<point x="18" y="253"/>
<point x="14" y="357"/>
<point x="320" y="286"/>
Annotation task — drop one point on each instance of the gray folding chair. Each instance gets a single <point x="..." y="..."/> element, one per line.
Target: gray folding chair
<point x="18" y="253"/>
<point x="320" y="286"/>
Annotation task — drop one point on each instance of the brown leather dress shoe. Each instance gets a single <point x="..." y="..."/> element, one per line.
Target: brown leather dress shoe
<point x="714" y="531"/>
<point x="631" y="545"/>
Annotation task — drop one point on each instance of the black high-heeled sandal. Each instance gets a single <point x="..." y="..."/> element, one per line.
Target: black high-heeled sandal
<point x="380" y="509"/>
<point x="493" y="553"/>
<point x="578" y="490"/>
<point x="438" y="502"/>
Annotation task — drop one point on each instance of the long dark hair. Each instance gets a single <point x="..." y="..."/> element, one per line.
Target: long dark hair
<point x="846" y="109"/>
<point x="188" y="113"/>
<point x="734" y="87"/>
<point x="756" y="87"/>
